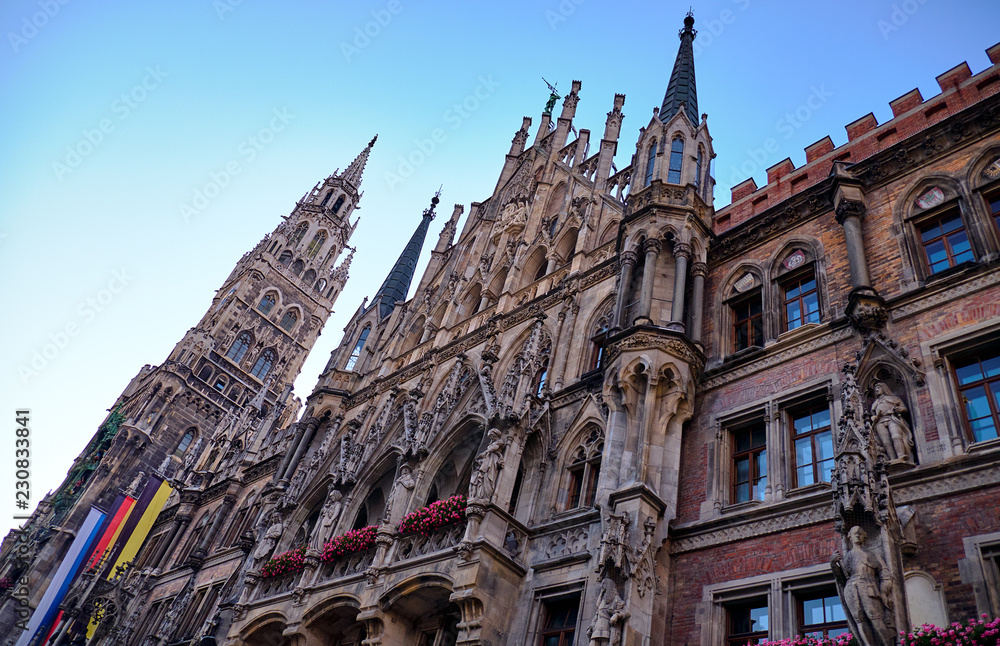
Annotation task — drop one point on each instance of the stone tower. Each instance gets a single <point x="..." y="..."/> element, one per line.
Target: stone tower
<point x="232" y="370"/>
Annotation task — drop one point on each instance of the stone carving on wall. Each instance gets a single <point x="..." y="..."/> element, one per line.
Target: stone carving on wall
<point x="487" y="468"/>
<point x="893" y="433"/>
<point x="332" y="509"/>
<point x="869" y="574"/>
<point x="865" y="585"/>
<point x="569" y="541"/>
<point x="401" y="489"/>
<point x="269" y="540"/>
<point x="608" y="625"/>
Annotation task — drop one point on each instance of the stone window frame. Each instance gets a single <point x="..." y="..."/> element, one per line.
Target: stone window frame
<point x="727" y="297"/>
<point x="783" y="590"/>
<point x="912" y="217"/>
<point x="785" y="406"/>
<point x="591" y="439"/>
<point x="772" y="410"/>
<point x="778" y="277"/>
<point x="604" y="315"/>
<point x="984" y="190"/>
<point x="275" y="298"/>
<point x="247" y="339"/>
<point x="679" y="158"/>
<point x="981" y="569"/>
<point x="293" y="312"/>
<point x="949" y="417"/>
<point x="552" y="594"/>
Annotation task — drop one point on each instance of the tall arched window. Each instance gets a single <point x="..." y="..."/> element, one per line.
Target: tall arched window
<point x="540" y="377"/>
<point x="288" y="320"/>
<point x="317" y="243"/>
<point x="285" y="257"/>
<point x="298" y="234"/>
<point x="239" y="347"/>
<point x="356" y="353"/>
<point x="263" y="365"/>
<point x="298" y="266"/>
<point x="650" y="161"/>
<point x="697" y="167"/>
<point x="185" y="442"/>
<point x="267" y="303"/>
<point x="676" y="160"/>
<point x="598" y="335"/>
<point x="584" y="471"/>
<point x="339" y="203"/>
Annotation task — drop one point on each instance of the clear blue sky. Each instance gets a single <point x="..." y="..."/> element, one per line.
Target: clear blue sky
<point x="116" y="113"/>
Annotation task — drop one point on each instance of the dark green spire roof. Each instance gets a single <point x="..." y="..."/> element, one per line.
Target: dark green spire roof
<point x="397" y="283"/>
<point x="681" y="90"/>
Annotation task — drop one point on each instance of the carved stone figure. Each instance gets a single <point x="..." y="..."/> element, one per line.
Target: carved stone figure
<point x="866" y="590"/>
<point x="892" y="430"/>
<point x="403" y="485"/>
<point x="329" y="517"/>
<point x="135" y="487"/>
<point x="609" y="619"/>
<point x="267" y="543"/>
<point x="484" y="478"/>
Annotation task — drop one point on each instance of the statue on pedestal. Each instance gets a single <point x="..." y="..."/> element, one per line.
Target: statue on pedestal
<point x="866" y="588"/>
<point x="891" y="429"/>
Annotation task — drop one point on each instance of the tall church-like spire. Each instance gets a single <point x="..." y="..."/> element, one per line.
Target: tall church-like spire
<point x="357" y="167"/>
<point x="681" y="91"/>
<point x="397" y="283"/>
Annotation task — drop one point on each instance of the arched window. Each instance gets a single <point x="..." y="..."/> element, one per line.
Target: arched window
<point x="356" y="353"/>
<point x="650" y="161"/>
<point x="697" y="167"/>
<point x="339" y="203"/>
<point x="239" y="347"/>
<point x="317" y="243"/>
<point x="540" y="273"/>
<point x="676" y="160"/>
<point x="298" y="266"/>
<point x="267" y="303"/>
<point x="288" y="320"/>
<point x="185" y="442"/>
<point x="584" y="471"/>
<point x="320" y="285"/>
<point x="297" y="235"/>
<point x="541" y="376"/>
<point x="598" y="335"/>
<point x="205" y="374"/>
<point x="309" y="277"/>
<point x="285" y="257"/>
<point x="263" y="365"/>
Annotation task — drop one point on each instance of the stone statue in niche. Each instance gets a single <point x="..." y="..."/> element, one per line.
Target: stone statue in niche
<point x="609" y="618"/>
<point x="269" y="540"/>
<point x="403" y="485"/>
<point x="484" y="478"/>
<point x="865" y="586"/>
<point x="893" y="432"/>
<point x="328" y="519"/>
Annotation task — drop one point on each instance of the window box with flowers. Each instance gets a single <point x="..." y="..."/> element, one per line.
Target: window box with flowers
<point x="356" y="540"/>
<point x="284" y="563"/>
<point x="437" y="514"/>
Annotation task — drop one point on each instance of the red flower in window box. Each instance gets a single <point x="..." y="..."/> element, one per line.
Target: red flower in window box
<point x="437" y="514"/>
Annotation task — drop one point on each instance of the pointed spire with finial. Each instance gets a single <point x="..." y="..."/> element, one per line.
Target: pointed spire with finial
<point x="681" y="91"/>
<point x="397" y="283"/>
<point x="357" y="167"/>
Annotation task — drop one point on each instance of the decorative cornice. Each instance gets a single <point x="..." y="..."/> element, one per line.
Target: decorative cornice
<point x="726" y="376"/>
<point x="924" y="301"/>
<point x="779" y="523"/>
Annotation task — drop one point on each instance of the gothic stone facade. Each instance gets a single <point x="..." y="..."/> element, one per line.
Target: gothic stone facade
<point x="644" y="400"/>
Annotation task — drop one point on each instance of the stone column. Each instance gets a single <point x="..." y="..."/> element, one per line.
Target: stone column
<point x="182" y="523"/>
<point x="849" y="214"/>
<point x="300" y="429"/>
<point x="206" y="541"/>
<point x="682" y="252"/>
<point x="310" y="426"/>
<point x="651" y="248"/>
<point x="698" y="272"/>
<point x="628" y="259"/>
